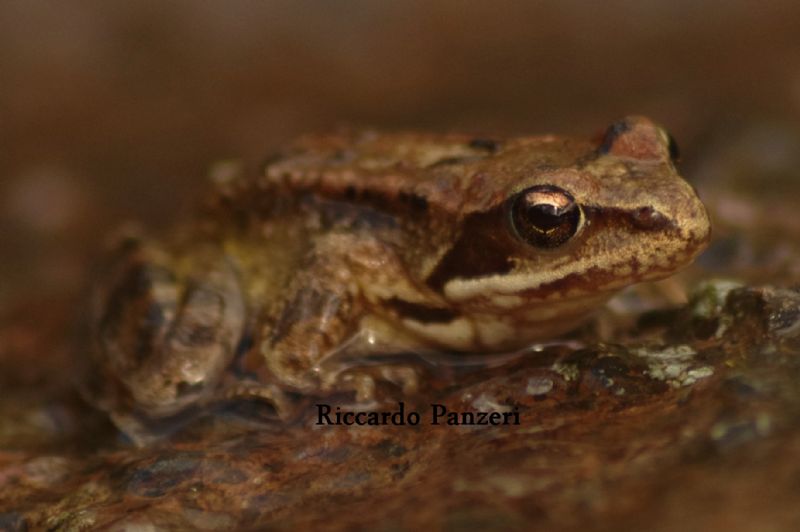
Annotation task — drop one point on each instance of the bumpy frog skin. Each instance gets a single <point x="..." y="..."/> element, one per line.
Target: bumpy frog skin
<point x="367" y="243"/>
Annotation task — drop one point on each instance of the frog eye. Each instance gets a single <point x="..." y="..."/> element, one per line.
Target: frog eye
<point x="545" y="216"/>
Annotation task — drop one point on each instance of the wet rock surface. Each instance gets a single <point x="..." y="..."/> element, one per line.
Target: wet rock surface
<point x="662" y="432"/>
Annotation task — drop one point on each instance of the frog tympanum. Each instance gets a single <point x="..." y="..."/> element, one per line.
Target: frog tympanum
<point x="362" y="243"/>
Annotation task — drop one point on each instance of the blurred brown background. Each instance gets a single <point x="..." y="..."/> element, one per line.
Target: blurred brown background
<point x="112" y="110"/>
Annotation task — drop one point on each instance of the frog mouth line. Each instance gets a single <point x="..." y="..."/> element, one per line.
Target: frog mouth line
<point x="567" y="280"/>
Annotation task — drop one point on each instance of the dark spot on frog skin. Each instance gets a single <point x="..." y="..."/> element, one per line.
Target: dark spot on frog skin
<point x="420" y="312"/>
<point x="484" y="144"/>
<point x="417" y="202"/>
<point x="450" y="160"/>
<point x="612" y="133"/>
<point x="356" y="217"/>
<point x="339" y="204"/>
<point x="648" y="219"/>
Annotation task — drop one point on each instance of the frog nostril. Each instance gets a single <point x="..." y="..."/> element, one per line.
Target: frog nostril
<point x="647" y="218"/>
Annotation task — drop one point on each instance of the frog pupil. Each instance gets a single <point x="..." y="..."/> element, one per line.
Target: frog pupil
<point x="545" y="216"/>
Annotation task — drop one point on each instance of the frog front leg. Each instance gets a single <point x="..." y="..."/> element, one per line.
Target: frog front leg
<point x="311" y="341"/>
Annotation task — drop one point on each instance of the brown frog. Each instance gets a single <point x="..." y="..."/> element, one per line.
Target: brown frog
<point x="358" y="244"/>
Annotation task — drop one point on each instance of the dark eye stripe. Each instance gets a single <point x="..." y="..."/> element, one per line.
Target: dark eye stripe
<point x="484" y="248"/>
